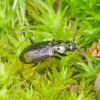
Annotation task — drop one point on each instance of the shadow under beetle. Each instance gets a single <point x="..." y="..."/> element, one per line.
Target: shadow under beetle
<point x="41" y="51"/>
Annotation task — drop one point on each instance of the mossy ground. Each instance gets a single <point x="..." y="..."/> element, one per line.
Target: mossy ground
<point x="72" y="77"/>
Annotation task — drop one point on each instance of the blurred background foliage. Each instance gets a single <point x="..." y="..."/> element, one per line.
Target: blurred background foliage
<point x="71" y="78"/>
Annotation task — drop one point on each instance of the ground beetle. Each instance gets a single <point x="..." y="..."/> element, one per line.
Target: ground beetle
<point x="41" y="51"/>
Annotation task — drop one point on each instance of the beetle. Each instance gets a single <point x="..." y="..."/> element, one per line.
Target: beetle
<point x="41" y="51"/>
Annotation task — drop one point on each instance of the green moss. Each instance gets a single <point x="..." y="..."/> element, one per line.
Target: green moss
<point x="71" y="78"/>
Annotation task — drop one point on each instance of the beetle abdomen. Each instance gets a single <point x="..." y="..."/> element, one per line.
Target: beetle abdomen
<point x="38" y="55"/>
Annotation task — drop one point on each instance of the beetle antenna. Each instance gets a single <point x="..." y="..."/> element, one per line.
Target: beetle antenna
<point x="74" y="37"/>
<point x="85" y="56"/>
<point x="75" y="29"/>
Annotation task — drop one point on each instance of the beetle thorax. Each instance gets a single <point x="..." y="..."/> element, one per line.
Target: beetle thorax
<point x="59" y="49"/>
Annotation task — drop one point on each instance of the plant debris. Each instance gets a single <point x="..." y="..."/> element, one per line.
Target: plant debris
<point x="95" y="49"/>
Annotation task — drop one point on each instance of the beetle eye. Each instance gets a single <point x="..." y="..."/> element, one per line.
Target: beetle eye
<point x="75" y="45"/>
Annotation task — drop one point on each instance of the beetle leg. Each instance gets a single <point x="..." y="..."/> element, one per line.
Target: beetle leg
<point x="31" y="40"/>
<point x="53" y="40"/>
<point x="63" y="54"/>
<point x="35" y="64"/>
<point x="57" y="57"/>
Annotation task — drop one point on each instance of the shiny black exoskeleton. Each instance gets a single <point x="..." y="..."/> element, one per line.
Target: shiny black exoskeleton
<point x="41" y="51"/>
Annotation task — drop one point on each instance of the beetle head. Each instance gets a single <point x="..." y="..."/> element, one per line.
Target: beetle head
<point x="71" y="46"/>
